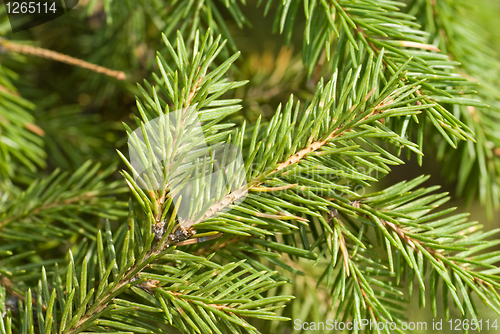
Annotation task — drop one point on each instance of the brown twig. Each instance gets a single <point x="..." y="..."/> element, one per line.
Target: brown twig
<point x="7" y="284"/>
<point x="52" y="55"/>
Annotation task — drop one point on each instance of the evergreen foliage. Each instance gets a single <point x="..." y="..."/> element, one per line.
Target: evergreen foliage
<point x="310" y="233"/>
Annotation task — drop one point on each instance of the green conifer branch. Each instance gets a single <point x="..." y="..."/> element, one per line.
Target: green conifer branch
<point x="21" y="143"/>
<point x="59" y="198"/>
<point x="468" y="47"/>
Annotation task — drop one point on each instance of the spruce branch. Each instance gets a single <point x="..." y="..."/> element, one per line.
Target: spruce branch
<point x="188" y="295"/>
<point x="356" y="117"/>
<point x="49" y="199"/>
<point x="326" y="123"/>
<point x="369" y="28"/>
<point x="478" y="62"/>
<point x="72" y="136"/>
<point x="447" y="244"/>
<point x="133" y="266"/>
<point x="180" y="17"/>
<point x="21" y="142"/>
<point x="359" y="115"/>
